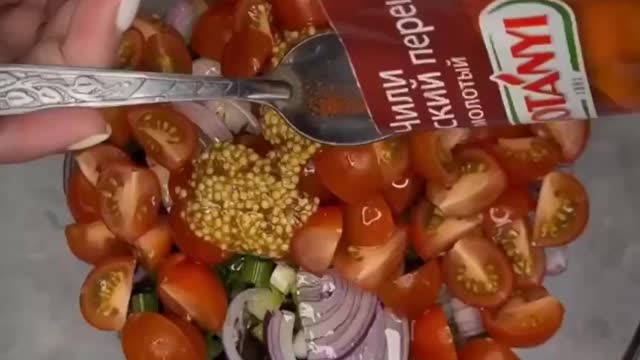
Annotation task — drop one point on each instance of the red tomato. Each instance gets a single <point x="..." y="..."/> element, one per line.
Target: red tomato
<point x="314" y="245"/>
<point x="402" y="193"/>
<point x="536" y="276"/>
<point x="432" y="158"/>
<point x="129" y="200"/>
<point x="94" y="160"/>
<point x="190" y="244"/>
<point x="526" y="159"/>
<point x="167" y="263"/>
<point x="432" y="234"/>
<point x="166" y="52"/>
<point x="514" y="202"/>
<point x="105" y="293"/>
<point x="432" y="337"/>
<point x="166" y="135"/>
<point x="213" y="30"/>
<point x="195" y="335"/>
<point x="351" y="173"/>
<point x="514" y="238"/>
<point x="255" y="142"/>
<point x="297" y="14"/>
<point x="481" y="183"/>
<point x="246" y="53"/>
<point x="563" y="210"/>
<point x="393" y="158"/>
<point x="93" y="242"/>
<point x="486" y="349"/>
<point x="528" y="319"/>
<point x="179" y="188"/>
<point x="478" y="273"/>
<point x="149" y="26"/>
<point x="131" y="50"/>
<point x="491" y="133"/>
<point x="369" y="266"/>
<point x="411" y="294"/>
<point x="116" y="117"/>
<point x="194" y="291"/>
<point x="310" y="184"/>
<point x="154" y="246"/>
<point x="254" y="14"/>
<point x="151" y="336"/>
<point x="571" y="135"/>
<point x="82" y="198"/>
<point x="368" y="223"/>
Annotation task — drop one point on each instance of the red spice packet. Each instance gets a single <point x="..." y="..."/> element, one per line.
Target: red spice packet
<point x="436" y="64"/>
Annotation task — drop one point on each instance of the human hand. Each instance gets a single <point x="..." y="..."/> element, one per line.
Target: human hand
<point x="58" y="32"/>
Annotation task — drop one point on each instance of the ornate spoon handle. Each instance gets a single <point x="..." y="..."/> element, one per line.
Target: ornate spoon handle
<point x="26" y="88"/>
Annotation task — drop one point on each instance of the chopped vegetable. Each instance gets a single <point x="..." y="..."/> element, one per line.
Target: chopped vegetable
<point x="283" y="278"/>
<point x="256" y="271"/>
<point x="263" y="301"/>
<point x="144" y="303"/>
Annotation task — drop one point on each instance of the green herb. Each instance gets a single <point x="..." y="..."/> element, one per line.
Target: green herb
<point x="257" y="271"/>
<point x="144" y="302"/>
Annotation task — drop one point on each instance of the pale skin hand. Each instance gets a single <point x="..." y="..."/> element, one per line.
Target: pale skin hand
<point x="58" y="32"/>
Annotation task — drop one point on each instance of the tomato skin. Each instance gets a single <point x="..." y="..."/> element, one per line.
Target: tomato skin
<point x="151" y="336"/>
<point x="94" y="160"/>
<point x="368" y="223"/>
<point x="129" y="200"/>
<point x="432" y="337"/>
<point x="402" y="193"/>
<point x="512" y="323"/>
<point x="515" y="202"/>
<point x="479" y="259"/>
<point x="154" y="246"/>
<point x="213" y="30"/>
<point x="350" y="173"/>
<point x="486" y="349"/>
<point x="490" y="134"/>
<point x="297" y="14"/>
<point x="179" y="187"/>
<point x="82" y="198"/>
<point x="246" y="53"/>
<point x="191" y="245"/>
<point x="195" y="336"/>
<point x="313" y="246"/>
<point x="130" y="52"/>
<point x="105" y="307"/>
<point x="572" y="136"/>
<point x="411" y="294"/>
<point x="194" y="291"/>
<point x="311" y="184"/>
<point x="536" y="277"/>
<point x="526" y="159"/>
<point x="166" y="53"/>
<point x="116" y="117"/>
<point x="94" y="243"/>
<point x="432" y="159"/>
<point x="369" y="266"/>
<point x="393" y="158"/>
<point x="167" y="263"/>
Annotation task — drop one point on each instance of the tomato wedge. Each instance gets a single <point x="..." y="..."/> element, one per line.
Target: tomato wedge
<point x="196" y="248"/>
<point x="514" y="239"/>
<point x="167" y="53"/>
<point x="478" y="273"/>
<point x="538" y="270"/>
<point x="432" y="234"/>
<point x="195" y="335"/>
<point x="526" y="159"/>
<point x="311" y="185"/>
<point x="246" y="53"/>
<point x="94" y="160"/>
<point x="82" y="198"/>
<point x="116" y="117"/>
<point x="481" y="183"/>
<point x="350" y="173"/>
<point x="486" y="349"/>
<point x="130" y="52"/>
<point x="432" y="157"/>
<point x="298" y="14"/>
<point x="403" y="193"/>
<point x="154" y="246"/>
<point x="104" y="298"/>
<point x="368" y="223"/>
<point x="213" y="30"/>
<point x="93" y="242"/>
<point x="314" y="245"/>
<point x="166" y="135"/>
<point x="393" y="158"/>
<point x="563" y="210"/>
<point x="167" y="263"/>
<point x="515" y="202"/>
<point x="528" y="319"/>
<point x="129" y="200"/>
<point x="411" y="294"/>
<point x="369" y="266"/>
<point x="179" y="187"/>
<point x="195" y="292"/>
<point x="151" y="336"/>
<point x="432" y="337"/>
<point x="571" y="135"/>
<point x="489" y="134"/>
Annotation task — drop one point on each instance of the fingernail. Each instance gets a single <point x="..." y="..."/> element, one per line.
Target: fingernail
<point x="91" y="140"/>
<point x="126" y="13"/>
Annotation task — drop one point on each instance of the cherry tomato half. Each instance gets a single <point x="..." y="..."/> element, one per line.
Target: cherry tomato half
<point x="314" y="245"/>
<point x="478" y="273"/>
<point x="82" y="198"/>
<point x="528" y="319"/>
<point x="104" y="298"/>
<point x="246" y="53"/>
<point x="402" y="193"/>
<point x="571" y="135"/>
<point x="368" y="223"/>
<point x="311" y="185"/>
<point x="93" y="242"/>
<point x="490" y="134"/>
<point x="526" y="159"/>
<point x="297" y="14"/>
<point x="167" y="53"/>
<point x="213" y="30"/>
<point x="481" y="183"/>
<point x="116" y="117"/>
<point x="563" y="210"/>
<point x="514" y="239"/>
<point x="194" y="291"/>
<point x="151" y="336"/>
<point x="179" y="188"/>
<point x="130" y="52"/>
<point x="129" y="200"/>
<point x="411" y="294"/>
<point x="94" y="160"/>
<point x="515" y="202"/>
<point x="486" y="349"/>
<point x="536" y="276"/>
<point x="432" y="337"/>
<point x="393" y="158"/>
<point x="168" y="263"/>
<point x="432" y="158"/>
<point x="153" y="246"/>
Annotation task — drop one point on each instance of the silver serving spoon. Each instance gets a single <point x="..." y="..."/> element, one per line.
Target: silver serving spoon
<point x="297" y="88"/>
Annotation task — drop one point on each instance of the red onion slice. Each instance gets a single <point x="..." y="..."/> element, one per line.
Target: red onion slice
<point x="279" y="335"/>
<point x="205" y="67"/>
<point x="398" y="336"/>
<point x="557" y="260"/>
<point x="236" y="115"/>
<point x="207" y="120"/>
<point x="374" y="345"/>
<point x="234" y="323"/>
<point x="467" y="318"/>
